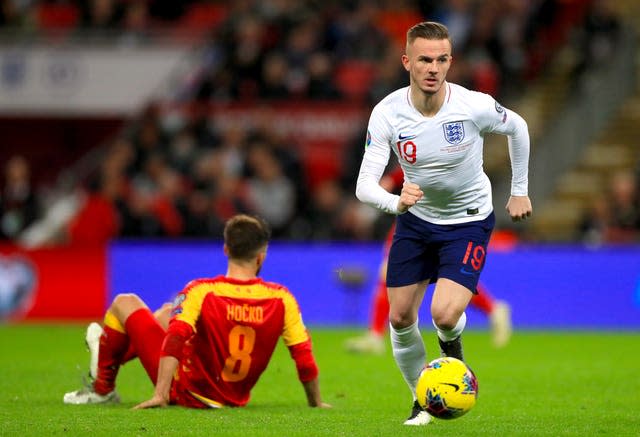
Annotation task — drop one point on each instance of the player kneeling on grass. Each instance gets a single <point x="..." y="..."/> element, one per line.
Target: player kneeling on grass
<point x="219" y="339"/>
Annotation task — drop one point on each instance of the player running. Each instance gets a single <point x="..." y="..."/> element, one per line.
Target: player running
<point x="444" y="211"/>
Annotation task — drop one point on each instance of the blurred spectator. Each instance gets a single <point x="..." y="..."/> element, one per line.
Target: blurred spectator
<point x="168" y="10"/>
<point x="624" y="207"/>
<point x="13" y="13"/>
<point x="388" y="75"/>
<point x="18" y="203"/>
<point x="597" y="37"/>
<point x="232" y="150"/>
<point x="199" y="218"/>
<point x="356" y="34"/>
<point x="325" y="212"/>
<point x="482" y="50"/>
<point x="98" y="221"/>
<point x="148" y="138"/>
<point x="285" y="150"/>
<point x="245" y="51"/>
<point x="595" y="222"/>
<point x="182" y="151"/>
<point x="104" y="211"/>
<point x="614" y="217"/>
<point x="321" y="83"/>
<point x="155" y="193"/>
<point x="275" y="77"/>
<point x="457" y="15"/>
<point x="100" y="15"/>
<point x="511" y="45"/>
<point x="229" y="198"/>
<point x="135" y="23"/>
<point x="270" y="194"/>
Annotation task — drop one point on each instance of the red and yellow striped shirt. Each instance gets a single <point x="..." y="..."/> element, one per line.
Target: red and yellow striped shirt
<point x="231" y="328"/>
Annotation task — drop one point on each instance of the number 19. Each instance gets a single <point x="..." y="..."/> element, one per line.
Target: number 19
<point x="407" y="151"/>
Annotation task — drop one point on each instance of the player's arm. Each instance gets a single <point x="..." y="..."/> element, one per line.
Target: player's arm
<point x="308" y="373"/>
<point x="177" y="335"/>
<point x="160" y="398"/>
<point x="410" y="193"/>
<point x="504" y="121"/>
<point x="184" y="314"/>
<point x="297" y="340"/>
<point x="374" y="162"/>
<point x="519" y="205"/>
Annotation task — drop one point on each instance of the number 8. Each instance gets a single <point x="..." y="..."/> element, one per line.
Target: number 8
<point x="242" y="339"/>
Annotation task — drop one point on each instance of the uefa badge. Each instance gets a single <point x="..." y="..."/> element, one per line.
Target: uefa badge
<point x="368" y="141"/>
<point x="454" y="132"/>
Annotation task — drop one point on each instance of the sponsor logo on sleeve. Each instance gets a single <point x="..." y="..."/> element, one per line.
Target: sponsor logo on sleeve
<point x="177" y="304"/>
<point x="500" y="110"/>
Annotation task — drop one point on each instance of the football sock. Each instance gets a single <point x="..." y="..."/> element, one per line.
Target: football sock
<point x="450" y="341"/>
<point x="113" y="345"/>
<point x="380" y="311"/>
<point x="409" y="353"/>
<point x="452" y="334"/>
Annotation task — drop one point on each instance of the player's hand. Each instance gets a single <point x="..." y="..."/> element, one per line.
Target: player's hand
<point x="519" y="208"/>
<point x="409" y="196"/>
<point x="154" y="402"/>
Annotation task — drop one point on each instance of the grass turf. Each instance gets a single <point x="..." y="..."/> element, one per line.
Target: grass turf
<point x="541" y="384"/>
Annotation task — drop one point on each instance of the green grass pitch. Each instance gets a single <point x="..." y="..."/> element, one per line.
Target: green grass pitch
<point x="541" y="384"/>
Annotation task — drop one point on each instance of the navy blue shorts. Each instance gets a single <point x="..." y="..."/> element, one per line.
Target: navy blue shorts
<point x="421" y="250"/>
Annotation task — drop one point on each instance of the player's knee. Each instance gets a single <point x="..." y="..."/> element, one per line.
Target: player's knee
<point x="163" y="314"/>
<point x="126" y="301"/>
<point x="445" y="320"/>
<point x="401" y="320"/>
<point x="166" y="307"/>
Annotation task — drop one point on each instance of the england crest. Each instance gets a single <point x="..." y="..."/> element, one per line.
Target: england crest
<point x="454" y="132"/>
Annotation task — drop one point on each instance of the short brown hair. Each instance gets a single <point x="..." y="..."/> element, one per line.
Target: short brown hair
<point x="428" y="30"/>
<point x="245" y="236"/>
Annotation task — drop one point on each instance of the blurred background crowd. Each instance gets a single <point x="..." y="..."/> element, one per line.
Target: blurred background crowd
<point x="165" y="176"/>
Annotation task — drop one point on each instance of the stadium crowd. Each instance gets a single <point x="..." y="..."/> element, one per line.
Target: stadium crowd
<point x="158" y="179"/>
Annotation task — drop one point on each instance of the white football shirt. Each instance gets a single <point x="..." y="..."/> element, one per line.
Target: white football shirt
<point x="442" y="154"/>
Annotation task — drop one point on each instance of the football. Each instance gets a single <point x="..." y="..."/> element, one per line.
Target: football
<point x="447" y="388"/>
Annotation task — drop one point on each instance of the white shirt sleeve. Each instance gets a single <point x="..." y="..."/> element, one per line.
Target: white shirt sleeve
<point x="374" y="162"/>
<point x="494" y="118"/>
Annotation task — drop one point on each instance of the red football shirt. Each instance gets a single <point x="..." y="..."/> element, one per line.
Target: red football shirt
<point x="236" y="325"/>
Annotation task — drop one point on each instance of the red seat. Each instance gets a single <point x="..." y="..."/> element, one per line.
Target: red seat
<point x="354" y="78"/>
<point x="203" y="16"/>
<point x="321" y="163"/>
<point x="56" y="16"/>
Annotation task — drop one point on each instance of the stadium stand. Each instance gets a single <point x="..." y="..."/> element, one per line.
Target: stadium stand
<point x="159" y="177"/>
<point x="596" y="199"/>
